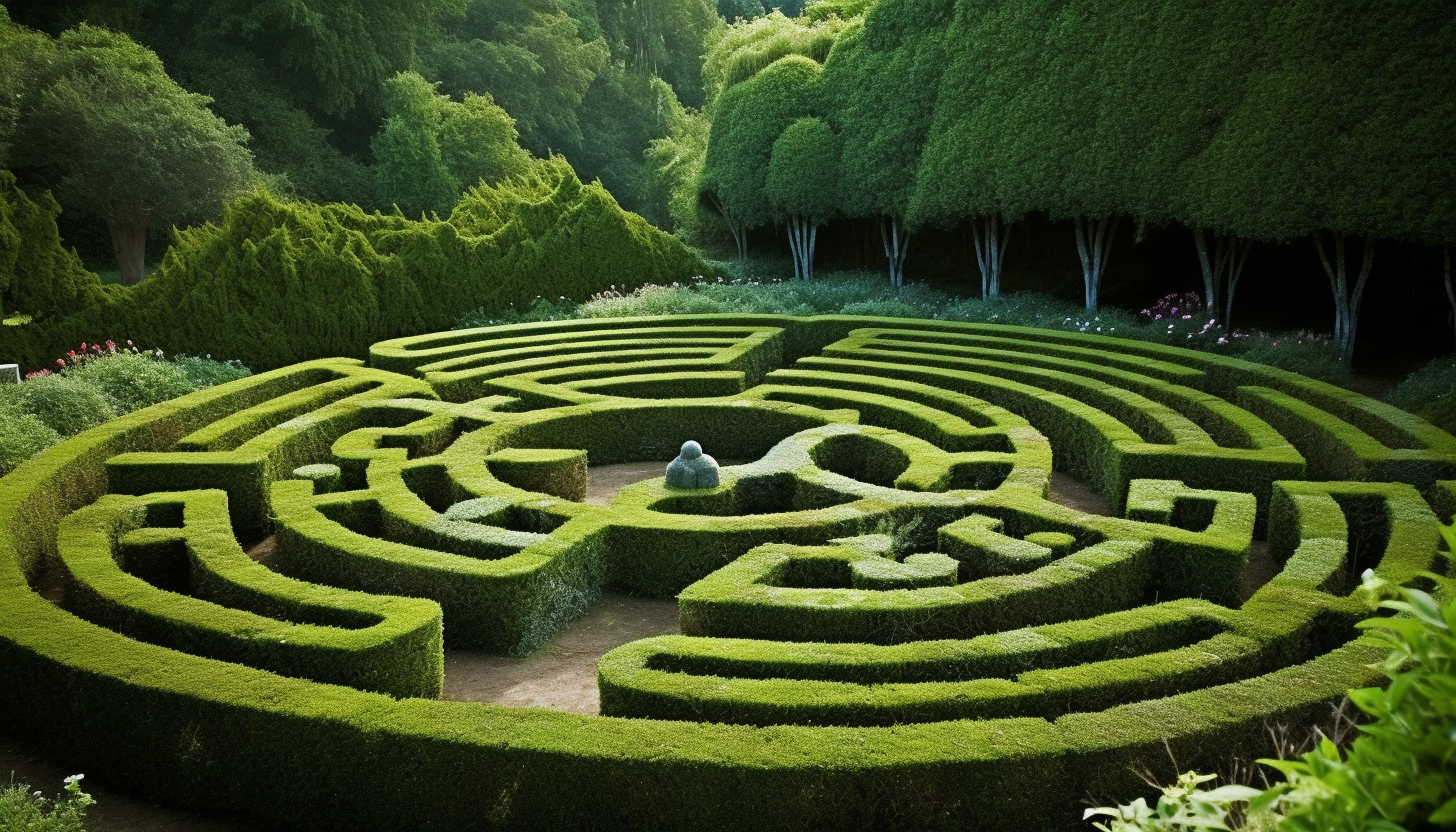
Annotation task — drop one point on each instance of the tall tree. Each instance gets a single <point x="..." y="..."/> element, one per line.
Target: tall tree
<point x="747" y="119"/>
<point x="881" y="94"/>
<point x="531" y="57"/>
<point x="123" y="141"/>
<point x="803" y="175"/>
<point x="431" y="148"/>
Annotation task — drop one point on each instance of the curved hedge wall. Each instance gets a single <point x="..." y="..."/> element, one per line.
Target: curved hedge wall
<point x="888" y="619"/>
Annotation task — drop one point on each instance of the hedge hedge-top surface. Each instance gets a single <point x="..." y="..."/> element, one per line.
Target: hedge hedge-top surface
<point x="886" y="621"/>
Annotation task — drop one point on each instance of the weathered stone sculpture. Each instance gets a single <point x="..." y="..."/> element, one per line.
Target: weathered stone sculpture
<point x="692" y="468"/>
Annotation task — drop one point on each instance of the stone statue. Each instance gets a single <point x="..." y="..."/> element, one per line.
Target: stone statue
<point x="692" y="468"/>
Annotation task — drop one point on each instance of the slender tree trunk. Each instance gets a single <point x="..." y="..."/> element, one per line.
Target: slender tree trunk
<point x="1347" y="304"/>
<point x="1094" y="246"/>
<point x="1236" y="260"/>
<point x="793" y="245"/>
<point x="129" y="239"/>
<point x="1450" y="292"/>
<point x="740" y="235"/>
<point x="802" y="235"/>
<point x="809" y="257"/>
<point x="1210" y="269"/>
<point x="896" y="241"/>
<point x="990" y="244"/>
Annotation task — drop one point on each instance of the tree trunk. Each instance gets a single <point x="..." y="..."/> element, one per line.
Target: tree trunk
<point x="1094" y="246"/>
<point x="896" y="241"/>
<point x="802" y="235"/>
<point x="990" y="244"/>
<point x="1210" y="270"/>
<point x="1347" y="304"/>
<point x="740" y="235"/>
<point x="794" y="245"/>
<point x="809" y="257"/>
<point x="1450" y="292"/>
<point x="129" y="239"/>
<point x="1238" y="255"/>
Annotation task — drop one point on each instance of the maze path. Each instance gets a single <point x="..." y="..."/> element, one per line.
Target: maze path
<point x="880" y="603"/>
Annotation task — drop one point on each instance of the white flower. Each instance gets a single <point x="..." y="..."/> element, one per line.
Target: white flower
<point x="74" y="778"/>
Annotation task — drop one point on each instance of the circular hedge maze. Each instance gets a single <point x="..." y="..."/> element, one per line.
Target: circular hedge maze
<point x="885" y="620"/>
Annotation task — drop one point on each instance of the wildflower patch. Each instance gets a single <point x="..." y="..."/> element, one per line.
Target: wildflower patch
<point x="886" y="619"/>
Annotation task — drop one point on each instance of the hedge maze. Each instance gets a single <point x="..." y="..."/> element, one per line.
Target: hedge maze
<point x="886" y="619"/>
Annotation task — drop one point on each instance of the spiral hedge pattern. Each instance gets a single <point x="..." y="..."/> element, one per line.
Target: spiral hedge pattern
<point x="886" y="622"/>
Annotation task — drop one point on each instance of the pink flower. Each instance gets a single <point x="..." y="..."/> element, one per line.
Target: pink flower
<point x="61" y="362"/>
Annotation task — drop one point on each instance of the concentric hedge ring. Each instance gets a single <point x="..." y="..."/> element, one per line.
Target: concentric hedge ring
<point x="886" y="621"/>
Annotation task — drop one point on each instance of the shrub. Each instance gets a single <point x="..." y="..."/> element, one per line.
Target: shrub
<point x="22" y="436"/>
<point x="278" y="282"/>
<point x="130" y="382"/>
<point x="1433" y="382"/>
<point x="65" y="405"/>
<point x="208" y="372"/>
<point x="22" y="810"/>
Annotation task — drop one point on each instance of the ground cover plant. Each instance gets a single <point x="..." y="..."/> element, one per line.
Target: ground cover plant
<point x="886" y="601"/>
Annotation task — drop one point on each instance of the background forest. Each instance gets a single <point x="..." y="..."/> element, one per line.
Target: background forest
<point x="345" y="171"/>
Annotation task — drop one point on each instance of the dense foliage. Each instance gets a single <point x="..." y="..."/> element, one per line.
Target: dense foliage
<point x="313" y="82"/>
<point x="22" y="810"/>
<point x="93" y="385"/>
<point x="278" y="282"/>
<point x="1248" y="120"/>
<point x="101" y="122"/>
<point x="39" y="277"/>
<point x="1398" y="774"/>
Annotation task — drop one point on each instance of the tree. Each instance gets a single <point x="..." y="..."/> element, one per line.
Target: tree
<point x="747" y="119"/>
<point x="530" y="57"/>
<point x="431" y="148"/>
<point x="126" y="143"/>
<point x="882" y="97"/>
<point x="803" y="174"/>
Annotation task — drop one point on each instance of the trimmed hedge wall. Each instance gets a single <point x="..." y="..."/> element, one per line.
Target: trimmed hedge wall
<point x="890" y="619"/>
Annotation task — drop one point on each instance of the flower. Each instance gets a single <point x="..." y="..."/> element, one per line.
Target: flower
<point x="74" y="778"/>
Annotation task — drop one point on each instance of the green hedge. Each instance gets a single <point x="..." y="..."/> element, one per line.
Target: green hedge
<point x="128" y="570"/>
<point x="888" y="623"/>
<point x="274" y="282"/>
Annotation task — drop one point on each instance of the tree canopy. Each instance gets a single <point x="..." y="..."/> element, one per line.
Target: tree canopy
<point x="116" y="136"/>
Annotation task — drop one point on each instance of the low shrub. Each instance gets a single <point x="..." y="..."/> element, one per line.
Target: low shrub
<point x="22" y="436"/>
<point x="94" y="384"/>
<point x="131" y="382"/>
<point x="207" y="372"/>
<point x="22" y="810"/>
<point x="65" y="405"/>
